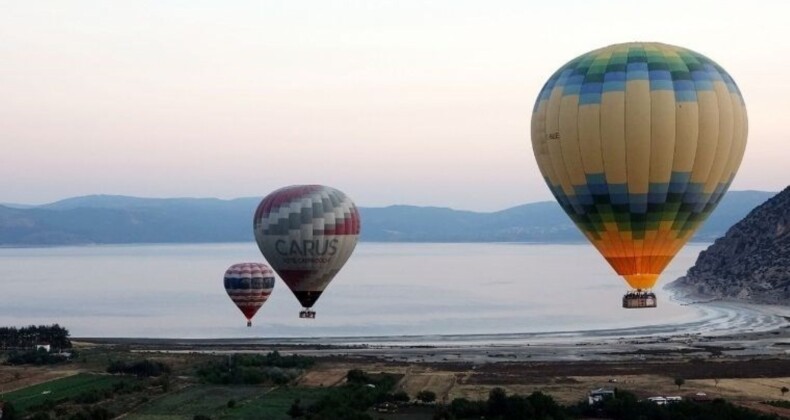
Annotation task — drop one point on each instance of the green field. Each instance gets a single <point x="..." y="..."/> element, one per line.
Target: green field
<point x="212" y="400"/>
<point x="60" y="389"/>
<point x="275" y="404"/>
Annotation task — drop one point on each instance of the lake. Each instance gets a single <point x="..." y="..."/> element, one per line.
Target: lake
<point x="385" y="289"/>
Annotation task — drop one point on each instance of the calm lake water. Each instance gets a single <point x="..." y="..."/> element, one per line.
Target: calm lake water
<point x="384" y="290"/>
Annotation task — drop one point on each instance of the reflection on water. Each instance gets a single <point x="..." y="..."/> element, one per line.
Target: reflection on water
<point x="384" y="290"/>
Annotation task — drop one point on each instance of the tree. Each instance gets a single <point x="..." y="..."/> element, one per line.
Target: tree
<point x="497" y="402"/>
<point x="426" y="396"/>
<point x="442" y="413"/>
<point x="544" y="406"/>
<point x="784" y="390"/>
<point x="519" y="408"/>
<point x="7" y="410"/>
<point x="296" y="410"/>
<point x="141" y="368"/>
<point x="679" y="382"/>
<point x="357" y="376"/>
<point x="465" y="409"/>
<point x="164" y="380"/>
<point x="100" y="413"/>
<point x="400" y="396"/>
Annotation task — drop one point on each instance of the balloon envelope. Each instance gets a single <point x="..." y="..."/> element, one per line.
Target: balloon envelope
<point x="638" y="143"/>
<point x="307" y="233"/>
<point x="249" y="286"/>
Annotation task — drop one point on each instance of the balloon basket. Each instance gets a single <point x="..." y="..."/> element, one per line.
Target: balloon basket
<point x="639" y="300"/>
<point x="249" y="323"/>
<point x="307" y="314"/>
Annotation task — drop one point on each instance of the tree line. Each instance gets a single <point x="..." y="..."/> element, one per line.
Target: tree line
<point x="253" y="369"/>
<point x="362" y="390"/>
<point x="26" y="337"/>
<point x="625" y="405"/>
<point x="141" y="368"/>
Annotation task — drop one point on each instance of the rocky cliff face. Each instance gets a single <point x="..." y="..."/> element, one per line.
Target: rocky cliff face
<point x="751" y="262"/>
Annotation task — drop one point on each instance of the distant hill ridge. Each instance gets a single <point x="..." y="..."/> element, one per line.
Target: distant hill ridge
<point x="751" y="262"/>
<point x="113" y="219"/>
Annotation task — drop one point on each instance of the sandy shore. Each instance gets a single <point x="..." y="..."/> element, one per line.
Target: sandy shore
<point x="725" y="329"/>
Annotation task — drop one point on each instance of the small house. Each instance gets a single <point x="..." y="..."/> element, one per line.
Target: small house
<point x="598" y="395"/>
<point x="658" y="400"/>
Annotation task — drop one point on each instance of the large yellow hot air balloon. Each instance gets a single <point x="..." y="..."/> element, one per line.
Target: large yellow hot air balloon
<point x="639" y="142"/>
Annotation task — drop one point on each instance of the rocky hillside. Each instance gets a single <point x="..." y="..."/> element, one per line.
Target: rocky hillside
<point x="751" y="262"/>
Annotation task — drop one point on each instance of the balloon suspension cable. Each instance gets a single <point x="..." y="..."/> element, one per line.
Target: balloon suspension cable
<point x="307" y="313"/>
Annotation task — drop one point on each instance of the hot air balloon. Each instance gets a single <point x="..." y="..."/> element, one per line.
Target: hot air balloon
<point x="249" y="286"/>
<point x="306" y="233"/>
<point x="638" y="142"/>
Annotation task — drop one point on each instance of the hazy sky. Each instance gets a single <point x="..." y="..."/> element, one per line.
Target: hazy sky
<point x="417" y="102"/>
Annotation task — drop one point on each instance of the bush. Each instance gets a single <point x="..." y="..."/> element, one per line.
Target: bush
<point x="352" y="400"/>
<point x="426" y="396"/>
<point x="87" y="397"/>
<point x="9" y="412"/>
<point x="141" y="368"/>
<point x="356" y="376"/>
<point x="401" y="396"/>
<point x="463" y="408"/>
<point x="544" y="406"/>
<point x="253" y="369"/>
<point x="778" y="403"/>
<point x="296" y="409"/>
<point x="164" y="382"/>
<point x="497" y="402"/>
<point x="95" y="413"/>
<point x="34" y="357"/>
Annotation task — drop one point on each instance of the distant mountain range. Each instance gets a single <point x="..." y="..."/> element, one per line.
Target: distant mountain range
<point x="108" y="219"/>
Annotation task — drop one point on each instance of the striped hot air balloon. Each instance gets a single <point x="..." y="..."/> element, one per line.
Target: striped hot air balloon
<point x="307" y="233"/>
<point x="249" y="286"/>
<point x="638" y="142"/>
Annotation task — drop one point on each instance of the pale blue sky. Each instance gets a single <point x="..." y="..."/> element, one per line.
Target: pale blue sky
<point x="418" y="102"/>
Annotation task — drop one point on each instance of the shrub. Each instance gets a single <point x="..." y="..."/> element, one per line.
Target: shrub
<point x="141" y="368"/>
<point x="296" y="410"/>
<point x="463" y="408"/>
<point x="34" y="357"/>
<point x="401" y="396"/>
<point x="253" y="369"/>
<point x="426" y="396"/>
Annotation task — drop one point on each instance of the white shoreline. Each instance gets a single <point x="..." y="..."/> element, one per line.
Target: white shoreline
<point x="726" y="329"/>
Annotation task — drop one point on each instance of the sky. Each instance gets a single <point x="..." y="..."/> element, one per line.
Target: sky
<point x="393" y="102"/>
